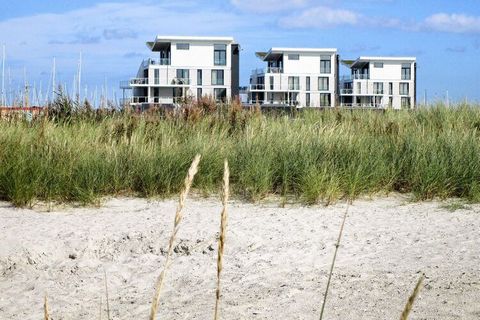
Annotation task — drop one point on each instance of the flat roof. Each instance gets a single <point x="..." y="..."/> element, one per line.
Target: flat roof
<point x="361" y="61"/>
<point x="160" y="38"/>
<point x="275" y="51"/>
<point x="155" y="44"/>
<point x="387" y="58"/>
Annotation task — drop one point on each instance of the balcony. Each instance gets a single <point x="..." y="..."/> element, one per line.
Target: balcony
<point x="257" y="87"/>
<point x="138" y="81"/>
<point x="180" y="81"/>
<point x="358" y="76"/>
<point x="150" y="100"/>
<point x="363" y="105"/>
<point x="159" y="62"/>
<point x="260" y="71"/>
<point x="284" y="87"/>
<point x="346" y="91"/>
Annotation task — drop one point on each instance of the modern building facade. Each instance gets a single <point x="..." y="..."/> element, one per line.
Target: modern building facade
<point x="193" y="67"/>
<point x="298" y="77"/>
<point x="186" y="67"/>
<point x="379" y="82"/>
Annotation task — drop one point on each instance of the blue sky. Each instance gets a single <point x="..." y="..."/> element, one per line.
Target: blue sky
<point x="443" y="35"/>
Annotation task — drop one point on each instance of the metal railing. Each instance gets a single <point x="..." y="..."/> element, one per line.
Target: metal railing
<point x="346" y="91"/>
<point x="363" y="105"/>
<point x="159" y="62"/>
<point x="144" y="99"/>
<point x="257" y="87"/>
<point x="268" y="70"/>
<point x="138" y="81"/>
<point x="357" y="76"/>
<point x="180" y="81"/>
<point x="274" y="70"/>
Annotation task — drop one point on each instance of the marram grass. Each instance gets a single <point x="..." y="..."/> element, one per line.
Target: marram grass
<point x="311" y="156"/>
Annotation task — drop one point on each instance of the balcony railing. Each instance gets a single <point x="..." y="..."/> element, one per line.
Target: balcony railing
<point x="268" y="70"/>
<point x="159" y="62"/>
<point x="257" y="87"/>
<point x="346" y="91"/>
<point x="155" y="100"/>
<point x="363" y="105"/>
<point x="180" y="81"/>
<point x="138" y="81"/>
<point x="357" y="76"/>
<point x="274" y="70"/>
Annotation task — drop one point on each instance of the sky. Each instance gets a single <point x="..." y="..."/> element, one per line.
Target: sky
<point x="444" y="35"/>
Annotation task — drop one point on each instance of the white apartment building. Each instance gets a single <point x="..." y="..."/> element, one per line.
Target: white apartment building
<point x="186" y="67"/>
<point x="299" y="77"/>
<point x="379" y="82"/>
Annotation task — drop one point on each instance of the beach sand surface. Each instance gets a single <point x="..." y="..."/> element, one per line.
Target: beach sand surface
<point x="276" y="260"/>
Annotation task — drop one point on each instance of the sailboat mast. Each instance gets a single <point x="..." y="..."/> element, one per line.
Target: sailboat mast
<point x="53" y="79"/>
<point x="2" y="102"/>
<point x="79" y="78"/>
<point x="3" y="98"/>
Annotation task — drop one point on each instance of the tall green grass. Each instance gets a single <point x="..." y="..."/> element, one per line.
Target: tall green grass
<point x="311" y="156"/>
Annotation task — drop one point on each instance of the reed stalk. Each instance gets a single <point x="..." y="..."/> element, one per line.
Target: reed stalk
<point x="411" y="299"/>
<point x="176" y="226"/>
<point x="46" y="315"/>
<point x="223" y="231"/>
<point x="337" y="245"/>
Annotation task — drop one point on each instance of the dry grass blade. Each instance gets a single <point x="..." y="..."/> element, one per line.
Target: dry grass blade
<point x="45" y="309"/>
<point x="411" y="299"/>
<point x="333" y="262"/>
<point x="223" y="230"/>
<point x="106" y="294"/>
<point x="176" y="226"/>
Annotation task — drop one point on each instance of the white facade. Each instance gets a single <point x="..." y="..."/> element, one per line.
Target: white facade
<point x="186" y="67"/>
<point x="379" y="82"/>
<point x="296" y="77"/>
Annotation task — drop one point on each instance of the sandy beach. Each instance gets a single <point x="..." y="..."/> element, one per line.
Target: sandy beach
<point x="275" y="266"/>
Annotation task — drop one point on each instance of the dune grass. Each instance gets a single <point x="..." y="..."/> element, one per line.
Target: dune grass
<point x="311" y="156"/>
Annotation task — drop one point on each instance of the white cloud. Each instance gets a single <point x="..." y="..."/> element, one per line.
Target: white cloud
<point x="268" y="5"/>
<point x="321" y="17"/>
<point x="455" y="23"/>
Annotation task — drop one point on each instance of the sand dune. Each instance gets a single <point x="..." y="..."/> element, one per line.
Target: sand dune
<point x="275" y="266"/>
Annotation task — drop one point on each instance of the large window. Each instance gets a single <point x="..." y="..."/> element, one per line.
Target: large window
<point x="157" y="76"/>
<point x="199" y="77"/>
<point x="404" y="89"/>
<point x="307" y="100"/>
<point x="272" y="82"/>
<point x="325" y="100"/>
<point x="199" y="93"/>
<point x="378" y="88"/>
<point x="406" y="71"/>
<point x="220" y="54"/>
<point x="217" y="77"/>
<point x="325" y="64"/>
<point x="183" y="75"/>
<point x="405" y="102"/>
<point x="183" y="46"/>
<point x="220" y="94"/>
<point x="308" y="84"/>
<point x="323" y="84"/>
<point x="293" y="83"/>
<point x="390" y="88"/>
